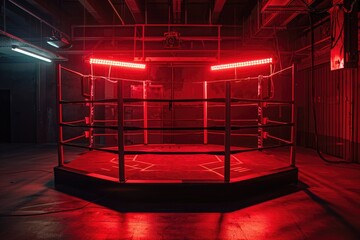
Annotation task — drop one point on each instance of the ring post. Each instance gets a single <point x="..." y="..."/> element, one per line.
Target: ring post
<point x="59" y="118"/>
<point x="227" y="132"/>
<point x="260" y="112"/>
<point x="293" y="128"/>
<point x="91" y="109"/>
<point x="121" y="132"/>
<point x="205" y="113"/>
<point x="145" y="108"/>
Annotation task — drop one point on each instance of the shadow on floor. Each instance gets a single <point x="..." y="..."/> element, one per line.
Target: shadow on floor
<point x="197" y="205"/>
<point x="328" y="208"/>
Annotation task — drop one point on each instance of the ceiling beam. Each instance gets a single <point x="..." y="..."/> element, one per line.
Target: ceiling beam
<point x="135" y="10"/>
<point x="116" y="12"/>
<point x="49" y="7"/>
<point x="176" y="11"/>
<point x="95" y="9"/>
<point x="46" y="10"/>
<point x="218" y="7"/>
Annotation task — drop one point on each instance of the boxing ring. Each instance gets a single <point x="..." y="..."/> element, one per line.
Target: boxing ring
<point x="125" y="145"/>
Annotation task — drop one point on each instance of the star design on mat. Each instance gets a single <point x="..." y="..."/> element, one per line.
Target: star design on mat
<point x="133" y="164"/>
<point x="215" y="166"/>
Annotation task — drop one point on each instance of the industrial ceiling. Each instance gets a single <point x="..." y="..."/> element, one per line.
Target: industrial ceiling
<point x="245" y="23"/>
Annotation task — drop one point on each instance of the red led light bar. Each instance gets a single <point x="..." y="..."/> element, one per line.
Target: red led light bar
<point x="241" y="64"/>
<point x="116" y="63"/>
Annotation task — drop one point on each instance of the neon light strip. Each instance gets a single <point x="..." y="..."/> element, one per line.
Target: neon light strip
<point x="116" y="63"/>
<point x="241" y="64"/>
<point x="25" y="52"/>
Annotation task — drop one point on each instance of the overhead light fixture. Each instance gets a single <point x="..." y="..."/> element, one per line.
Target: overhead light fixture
<point x="28" y="53"/>
<point x="116" y="63"/>
<point x="58" y="42"/>
<point x="241" y="64"/>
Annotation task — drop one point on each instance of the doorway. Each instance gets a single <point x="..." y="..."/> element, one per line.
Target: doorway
<point x="5" y="123"/>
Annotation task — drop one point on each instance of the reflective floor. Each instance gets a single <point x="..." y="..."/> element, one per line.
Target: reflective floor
<point x="326" y="206"/>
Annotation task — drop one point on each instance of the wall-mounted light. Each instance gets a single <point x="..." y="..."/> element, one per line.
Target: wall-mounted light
<point x="58" y="42"/>
<point x="116" y="63"/>
<point x="28" y="53"/>
<point x="242" y="64"/>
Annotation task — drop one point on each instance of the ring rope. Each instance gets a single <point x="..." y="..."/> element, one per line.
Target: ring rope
<point x="103" y="77"/>
<point x="279" y="139"/>
<point x="130" y="100"/>
<point x="237" y="80"/>
<point x="217" y="128"/>
<point x="177" y="120"/>
<point x="73" y="139"/>
<point x="126" y="152"/>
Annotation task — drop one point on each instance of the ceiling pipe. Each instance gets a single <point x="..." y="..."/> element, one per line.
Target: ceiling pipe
<point x="116" y="12"/>
<point x="91" y="8"/>
<point x="136" y="11"/>
<point x="38" y="18"/>
<point x="218" y="7"/>
<point x="4" y="15"/>
<point x="49" y="7"/>
<point x="176" y="4"/>
<point x="146" y="12"/>
<point x="185" y="12"/>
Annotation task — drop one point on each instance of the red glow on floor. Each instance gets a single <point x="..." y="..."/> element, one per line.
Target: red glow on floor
<point x="116" y="63"/>
<point x="175" y="166"/>
<point x="241" y="64"/>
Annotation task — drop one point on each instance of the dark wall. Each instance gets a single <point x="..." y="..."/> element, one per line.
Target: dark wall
<point x="336" y="96"/>
<point x="20" y="79"/>
<point x="47" y="112"/>
<point x="32" y="100"/>
<point x="337" y="110"/>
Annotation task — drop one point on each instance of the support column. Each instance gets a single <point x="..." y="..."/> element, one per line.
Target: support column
<point x="145" y="110"/>
<point x="227" y="132"/>
<point x="293" y="117"/>
<point x="219" y="44"/>
<point x="143" y="43"/>
<point x="205" y="114"/>
<point x="120" y="110"/>
<point x="91" y="110"/>
<point x="260" y="113"/>
<point x="59" y="117"/>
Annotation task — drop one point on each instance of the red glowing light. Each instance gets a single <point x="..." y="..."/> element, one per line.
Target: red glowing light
<point x="116" y="63"/>
<point x="242" y="64"/>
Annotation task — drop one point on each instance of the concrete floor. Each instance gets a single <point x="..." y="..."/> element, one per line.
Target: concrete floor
<point x="327" y="206"/>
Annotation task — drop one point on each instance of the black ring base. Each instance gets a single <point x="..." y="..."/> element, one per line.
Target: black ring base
<point x="70" y="180"/>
